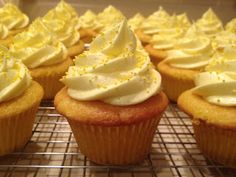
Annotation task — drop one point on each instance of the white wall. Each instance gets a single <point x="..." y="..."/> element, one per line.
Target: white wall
<point x="225" y="9"/>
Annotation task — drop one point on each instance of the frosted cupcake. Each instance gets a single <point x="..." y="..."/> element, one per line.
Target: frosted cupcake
<point x="46" y="58"/>
<point x="19" y="100"/>
<point x="210" y="24"/>
<point x="136" y="21"/>
<point x="109" y="16"/>
<point x="89" y="26"/>
<point x="212" y="107"/>
<point x="188" y="57"/>
<point x="12" y="21"/>
<point x="166" y="37"/>
<point x="112" y="99"/>
<point x="63" y="23"/>
<point x="13" y="18"/>
<point x="151" y="26"/>
<point x="231" y="26"/>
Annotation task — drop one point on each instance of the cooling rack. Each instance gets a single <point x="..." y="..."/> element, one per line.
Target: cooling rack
<point x="52" y="151"/>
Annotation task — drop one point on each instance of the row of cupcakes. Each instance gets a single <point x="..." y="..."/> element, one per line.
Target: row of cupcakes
<point x="181" y="50"/>
<point x="113" y="99"/>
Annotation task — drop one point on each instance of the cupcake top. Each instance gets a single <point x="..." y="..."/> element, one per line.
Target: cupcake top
<point x="14" y="76"/>
<point x="209" y="23"/>
<point x="135" y="21"/>
<point x="12" y="17"/>
<point x="110" y="16"/>
<point x="224" y="39"/>
<point x="89" y="20"/>
<point x="3" y="31"/>
<point x="156" y="21"/>
<point x="166" y="39"/>
<point x="183" y="21"/>
<point x="193" y="51"/>
<point x="231" y="26"/>
<point x="218" y="84"/>
<point x="37" y="47"/>
<point x="167" y="36"/>
<point x="63" y="22"/>
<point x="113" y="70"/>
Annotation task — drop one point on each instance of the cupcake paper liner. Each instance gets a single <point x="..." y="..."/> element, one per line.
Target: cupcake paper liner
<point x="49" y="77"/>
<point x="15" y="131"/>
<point x="216" y="143"/>
<point x="51" y="85"/>
<point x="117" y="145"/>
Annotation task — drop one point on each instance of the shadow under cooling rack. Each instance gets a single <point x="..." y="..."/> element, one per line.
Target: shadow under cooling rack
<point x="52" y="151"/>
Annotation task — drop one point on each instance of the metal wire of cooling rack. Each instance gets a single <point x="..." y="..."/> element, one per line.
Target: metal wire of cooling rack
<point x="52" y="151"/>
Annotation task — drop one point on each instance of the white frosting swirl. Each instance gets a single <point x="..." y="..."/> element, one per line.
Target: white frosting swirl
<point x="193" y="51"/>
<point x="166" y="38"/>
<point x="155" y="22"/>
<point x="12" y="17"/>
<point x="62" y="21"/>
<point x="209" y="23"/>
<point x="136" y="21"/>
<point x="110" y="16"/>
<point x="218" y="84"/>
<point x="231" y="26"/>
<point x="89" y="20"/>
<point x="113" y="70"/>
<point x="183" y="21"/>
<point x="14" y="76"/>
<point x="36" y="47"/>
<point x="3" y="31"/>
<point x="224" y="39"/>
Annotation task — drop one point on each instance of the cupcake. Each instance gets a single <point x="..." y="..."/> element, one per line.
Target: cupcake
<point x="46" y="58"/>
<point x="188" y="57"/>
<point x="109" y="17"/>
<point x="13" y="18"/>
<point x="166" y="38"/>
<point x="19" y="100"/>
<point x="212" y="107"/>
<point x="231" y="26"/>
<point x="89" y="26"/>
<point x="209" y="23"/>
<point x="136" y="21"/>
<point x="63" y="23"/>
<point x="112" y="99"/>
<point x="151" y="26"/>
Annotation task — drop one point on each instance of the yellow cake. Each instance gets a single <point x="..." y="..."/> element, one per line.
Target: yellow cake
<point x="112" y="99"/>
<point x="212" y="107"/>
<point x="19" y="100"/>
